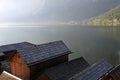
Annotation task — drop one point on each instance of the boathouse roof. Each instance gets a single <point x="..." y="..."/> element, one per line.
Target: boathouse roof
<point x="94" y="72"/>
<point x="33" y="54"/>
<point x="66" y="70"/>
<point x="17" y="46"/>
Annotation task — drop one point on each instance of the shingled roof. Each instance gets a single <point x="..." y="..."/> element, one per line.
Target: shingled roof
<point x="43" y="52"/>
<point x="33" y="54"/>
<point x="94" y="72"/>
<point x="16" y="46"/>
<point x="5" y="65"/>
<point x="66" y="70"/>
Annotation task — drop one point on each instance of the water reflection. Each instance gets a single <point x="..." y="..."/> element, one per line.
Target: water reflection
<point x="93" y="43"/>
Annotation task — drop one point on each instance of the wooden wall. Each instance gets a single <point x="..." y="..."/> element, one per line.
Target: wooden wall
<point x="48" y="63"/>
<point x="19" y="67"/>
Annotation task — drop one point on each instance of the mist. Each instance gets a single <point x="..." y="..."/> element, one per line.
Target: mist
<point x="44" y="11"/>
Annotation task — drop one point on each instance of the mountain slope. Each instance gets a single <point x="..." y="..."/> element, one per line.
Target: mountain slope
<point x="74" y="10"/>
<point x="110" y="18"/>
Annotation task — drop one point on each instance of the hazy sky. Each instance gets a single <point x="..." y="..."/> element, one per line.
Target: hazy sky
<point x="19" y="10"/>
<point x="36" y="11"/>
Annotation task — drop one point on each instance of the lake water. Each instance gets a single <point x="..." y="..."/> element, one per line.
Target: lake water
<point x="93" y="43"/>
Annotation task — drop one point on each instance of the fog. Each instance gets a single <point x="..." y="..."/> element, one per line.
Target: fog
<point x="19" y="10"/>
<point x="39" y="11"/>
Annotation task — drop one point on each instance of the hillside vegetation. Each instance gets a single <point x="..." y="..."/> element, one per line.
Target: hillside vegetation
<point x="110" y="18"/>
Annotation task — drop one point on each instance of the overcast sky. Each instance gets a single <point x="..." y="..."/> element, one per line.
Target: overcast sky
<point x="19" y="10"/>
<point x="28" y="11"/>
<point x="36" y="10"/>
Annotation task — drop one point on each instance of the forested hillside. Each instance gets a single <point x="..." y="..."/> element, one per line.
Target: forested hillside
<point x="75" y="10"/>
<point x="110" y="18"/>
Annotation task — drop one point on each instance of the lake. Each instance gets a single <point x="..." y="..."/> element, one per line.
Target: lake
<point x="93" y="43"/>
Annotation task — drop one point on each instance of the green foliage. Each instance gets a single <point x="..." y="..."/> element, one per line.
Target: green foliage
<point x="110" y="18"/>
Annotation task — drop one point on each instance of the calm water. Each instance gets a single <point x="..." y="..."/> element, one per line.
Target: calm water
<point x="93" y="43"/>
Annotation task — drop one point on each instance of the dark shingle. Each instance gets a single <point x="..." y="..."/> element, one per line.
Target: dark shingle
<point x="94" y="72"/>
<point x="33" y="54"/>
<point x="5" y="66"/>
<point x="14" y="46"/>
<point x="66" y="70"/>
<point x="43" y="52"/>
<point x="2" y="54"/>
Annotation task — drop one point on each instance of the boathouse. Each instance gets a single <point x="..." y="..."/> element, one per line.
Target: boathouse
<point x="64" y="70"/>
<point x="7" y="50"/>
<point x="26" y="62"/>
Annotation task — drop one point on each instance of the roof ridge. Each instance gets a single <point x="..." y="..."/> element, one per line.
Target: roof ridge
<point x="49" y="42"/>
<point x="15" y="43"/>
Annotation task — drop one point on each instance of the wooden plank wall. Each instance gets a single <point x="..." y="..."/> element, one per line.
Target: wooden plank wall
<point x="18" y="67"/>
